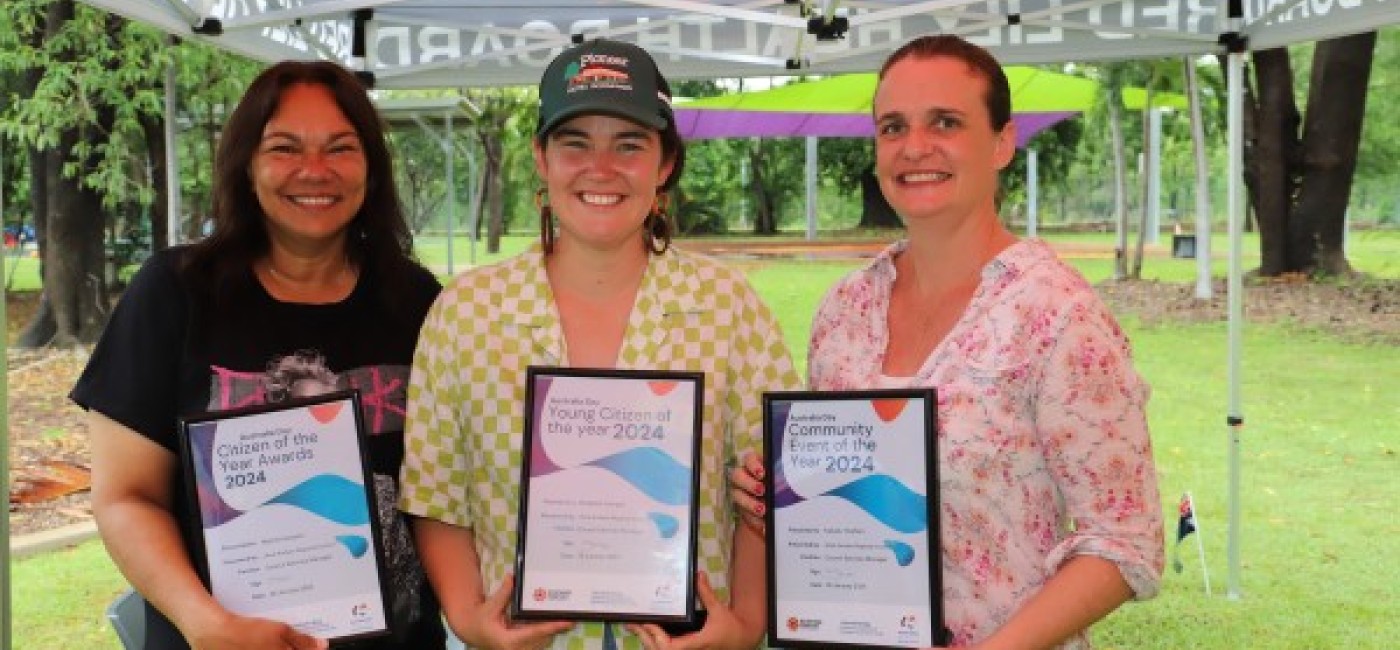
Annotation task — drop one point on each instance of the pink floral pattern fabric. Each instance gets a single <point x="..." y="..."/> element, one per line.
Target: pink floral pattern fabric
<point x="1043" y="445"/>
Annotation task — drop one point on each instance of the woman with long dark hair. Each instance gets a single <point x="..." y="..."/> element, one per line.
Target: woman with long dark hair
<point x="309" y="259"/>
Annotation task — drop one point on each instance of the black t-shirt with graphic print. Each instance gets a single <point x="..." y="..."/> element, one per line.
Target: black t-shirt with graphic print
<point x="166" y="354"/>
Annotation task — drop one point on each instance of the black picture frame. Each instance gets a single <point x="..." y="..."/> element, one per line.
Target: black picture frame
<point x="200" y="469"/>
<point x="538" y="602"/>
<point x="822" y="571"/>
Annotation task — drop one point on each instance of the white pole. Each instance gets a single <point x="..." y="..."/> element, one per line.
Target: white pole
<point x="4" y="441"/>
<point x="811" y="188"/>
<point x="1235" y="419"/>
<point x="1204" y="290"/>
<point x="1032" y="192"/>
<point x="1200" y="545"/>
<point x="1154" y="175"/>
<point x="1346" y="230"/>
<point x="173" y="209"/>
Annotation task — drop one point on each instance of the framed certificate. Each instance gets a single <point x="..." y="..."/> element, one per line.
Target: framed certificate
<point x="852" y="519"/>
<point x="286" y="528"/>
<point x="608" y="489"/>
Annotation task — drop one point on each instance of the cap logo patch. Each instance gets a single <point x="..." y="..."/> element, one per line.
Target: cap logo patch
<point x="598" y="72"/>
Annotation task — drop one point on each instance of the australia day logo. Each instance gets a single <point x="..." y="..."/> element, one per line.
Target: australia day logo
<point x="541" y="594"/>
<point x="808" y="624"/>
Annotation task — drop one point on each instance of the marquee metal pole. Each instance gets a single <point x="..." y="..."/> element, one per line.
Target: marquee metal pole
<point x="5" y="430"/>
<point x="1235" y="418"/>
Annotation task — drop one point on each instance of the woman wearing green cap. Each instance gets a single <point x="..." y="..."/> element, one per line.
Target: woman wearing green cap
<point x="602" y="289"/>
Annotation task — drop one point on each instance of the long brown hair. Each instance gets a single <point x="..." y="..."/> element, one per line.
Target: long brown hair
<point x="379" y="239"/>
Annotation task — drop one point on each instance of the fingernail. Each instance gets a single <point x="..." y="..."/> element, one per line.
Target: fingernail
<point x="758" y="491"/>
<point x="758" y="510"/>
<point x="758" y="473"/>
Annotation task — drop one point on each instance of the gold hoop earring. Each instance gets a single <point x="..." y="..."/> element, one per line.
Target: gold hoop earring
<point x="656" y="228"/>
<point x="546" y="220"/>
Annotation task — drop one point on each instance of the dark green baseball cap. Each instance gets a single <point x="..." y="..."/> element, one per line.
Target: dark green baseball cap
<point x="607" y="77"/>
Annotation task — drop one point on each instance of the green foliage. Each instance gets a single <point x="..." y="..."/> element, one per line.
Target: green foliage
<point x="102" y="79"/>
<point x="1375" y="196"/>
<point x="508" y="120"/>
<point x="100" y="76"/>
<point x="843" y="160"/>
<point x="713" y="191"/>
<point x="209" y="84"/>
<point x="419" y="165"/>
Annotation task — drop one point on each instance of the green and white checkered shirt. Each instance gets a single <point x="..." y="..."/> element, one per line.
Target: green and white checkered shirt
<point x="467" y="396"/>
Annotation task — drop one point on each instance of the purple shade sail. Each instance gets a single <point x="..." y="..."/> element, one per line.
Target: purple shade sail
<point x="702" y="123"/>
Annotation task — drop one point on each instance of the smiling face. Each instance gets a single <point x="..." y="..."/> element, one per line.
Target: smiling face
<point x="309" y="170"/>
<point x="602" y="175"/>
<point x="936" y="154"/>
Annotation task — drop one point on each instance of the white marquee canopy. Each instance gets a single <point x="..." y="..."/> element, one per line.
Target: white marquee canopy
<point x="444" y="43"/>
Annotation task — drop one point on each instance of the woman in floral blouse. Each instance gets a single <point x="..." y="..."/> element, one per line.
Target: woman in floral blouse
<point x="1050" y="512"/>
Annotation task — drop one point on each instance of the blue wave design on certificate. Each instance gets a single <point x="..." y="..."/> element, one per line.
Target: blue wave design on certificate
<point x="888" y="501"/>
<point x="356" y="544"/>
<point x="334" y="497"/>
<point x="903" y="553"/>
<point x="652" y="471"/>
<point x="666" y="525"/>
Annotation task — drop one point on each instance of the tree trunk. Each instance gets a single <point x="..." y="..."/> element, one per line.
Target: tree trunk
<point x="491" y="194"/>
<point x="1120" y="183"/>
<point x="479" y="201"/>
<point x="1274" y="152"/>
<point x="1304" y="180"/>
<point x="875" y="212"/>
<point x="154" y="130"/>
<point x="765" y="222"/>
<point x="495" y="187"/>
<point x="40" y="329"/>
<point x="1145" y="184"/>
<point x="1331" y="138"/>
<point x="74" y="305"/>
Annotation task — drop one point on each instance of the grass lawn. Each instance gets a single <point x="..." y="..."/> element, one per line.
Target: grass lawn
<point x="60" y="599"/>
<point x="1319" y="474"/>
<point x="1320" y="460"/>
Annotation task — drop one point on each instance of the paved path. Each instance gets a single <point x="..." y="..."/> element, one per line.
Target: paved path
<point x="41" y="542"/>
<point x="860" y="249"/>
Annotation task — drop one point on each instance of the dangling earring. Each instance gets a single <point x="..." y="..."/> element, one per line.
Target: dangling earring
<point x="656" y="228"/>
<point x="546" y="220"/>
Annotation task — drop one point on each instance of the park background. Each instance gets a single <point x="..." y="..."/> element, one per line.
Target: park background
<point x="1321" y="357"/>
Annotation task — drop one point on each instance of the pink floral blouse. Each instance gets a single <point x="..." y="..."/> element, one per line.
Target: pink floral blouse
<point x="1042" y="435"/>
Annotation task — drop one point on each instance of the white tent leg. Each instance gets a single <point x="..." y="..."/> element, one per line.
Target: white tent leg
<point x="173" y="208"/>
<point x="4" y="455"/>
<point x="1204" y="289"/>
<point x="1154" y="177"/>
<point x="1235" y="419"/>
